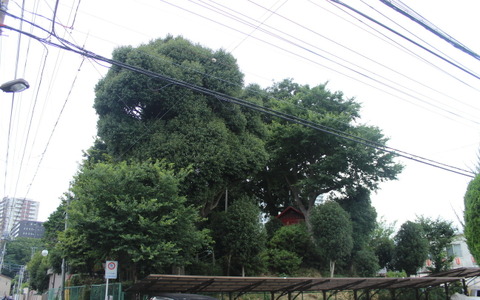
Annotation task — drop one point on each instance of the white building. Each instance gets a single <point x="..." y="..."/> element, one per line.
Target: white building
<point x="13" y="210"/>
<point x="462" y="258"/>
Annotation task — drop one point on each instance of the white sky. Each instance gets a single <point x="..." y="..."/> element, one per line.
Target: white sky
<point x="424" y="106"/>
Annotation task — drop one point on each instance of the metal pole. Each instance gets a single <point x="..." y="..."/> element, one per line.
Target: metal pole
<point x="2" y="256"/>
<point x="106" y="290"/>
<point x="62" y="289"/>
<point x="62" y="297"/>
<point x="20" y="282"/>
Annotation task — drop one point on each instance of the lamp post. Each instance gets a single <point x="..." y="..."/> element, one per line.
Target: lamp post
<point x="15" y="86"/>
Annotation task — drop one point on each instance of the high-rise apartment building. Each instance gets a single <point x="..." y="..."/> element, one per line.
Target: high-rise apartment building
<point x="29" y="229"/>
<point x="13" y="210"/>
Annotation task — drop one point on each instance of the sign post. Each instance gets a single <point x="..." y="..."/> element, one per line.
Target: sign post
<point x="111" y="267"/>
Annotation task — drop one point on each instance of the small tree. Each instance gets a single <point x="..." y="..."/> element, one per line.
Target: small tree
<point x="244" y="236"/>
<point x="282" y="262"/>
<point x="37" y="270"/>
<point x="332" y="232"/>
<point x="382" y="243"/>
<point x="439" y="234"/>
<point x="366" y="263"/>
<point x="411" y="248"/>
<point x="472" y="217"/>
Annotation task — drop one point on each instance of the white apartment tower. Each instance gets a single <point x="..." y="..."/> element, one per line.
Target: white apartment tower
<point x="14" y="210"/>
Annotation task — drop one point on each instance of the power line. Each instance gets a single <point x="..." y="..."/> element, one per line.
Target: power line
<point x="405" y="37"/>
<point x="253" y="106"/>
<point x="403" y="9"/>
<point x="375" y="78"/>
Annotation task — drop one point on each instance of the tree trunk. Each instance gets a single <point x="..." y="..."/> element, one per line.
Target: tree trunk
<point x="229" y="259"/>
<point x="332" y="268"/>
<point x="134" y="272"/>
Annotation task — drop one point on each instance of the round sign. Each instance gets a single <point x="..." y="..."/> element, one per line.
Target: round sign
<point x="111" y="265"/>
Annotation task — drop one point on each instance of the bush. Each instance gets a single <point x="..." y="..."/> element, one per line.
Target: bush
<point x="282" y="261"/>
<point x="366" y="263"/>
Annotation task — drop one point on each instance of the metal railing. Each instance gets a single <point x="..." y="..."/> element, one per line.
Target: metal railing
<point x="88" y="292"/>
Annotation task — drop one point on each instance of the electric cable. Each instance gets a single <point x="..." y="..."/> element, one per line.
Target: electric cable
<point x="84" y="56"/>
<point x="406" y="38"/>
<point x="393" y="42"/>
<point x="417" y="18"/>
<point x="257" y="107"/>
<point x="416" y="36"/>
<point x="330" y="68"/>
<point x="54" y="127"/>
<point x="370" y="60"/>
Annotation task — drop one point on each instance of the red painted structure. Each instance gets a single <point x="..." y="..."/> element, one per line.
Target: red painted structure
<point x="290" y="216"/>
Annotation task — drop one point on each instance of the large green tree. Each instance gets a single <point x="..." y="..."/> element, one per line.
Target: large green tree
<point x="411" y="248"/>
<point x="145" y="118"/>
<point x="439" y="233"/>
<point x="133" y="213"/>
<point x="332" y="232"/>
<point x="306" y="163"/>
<point x="472" y="217"/>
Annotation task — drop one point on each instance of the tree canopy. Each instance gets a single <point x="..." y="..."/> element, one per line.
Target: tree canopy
<point x="439" y="234"/>
<point x="383" y="244"/>
<point x="149" y="192"/>
<point x="243" y="237"/>
<point x="145" y="118"/>
<point x="411" y="248"/>
<point x="306" y="163"/>
<point x="19" y="252"/>
<point x="332" y="232"/>
<point x="133" y="213"/>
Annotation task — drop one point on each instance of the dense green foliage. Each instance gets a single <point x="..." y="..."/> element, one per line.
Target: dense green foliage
<point x="242" y="236"/>
<point x="305" y="163"/>
<point x="332" y="232"/>
<point x="472" y="217"/>
<point x="18" y="253"/>
<point x="132" y="213"/>
<point x="439" y="234"/>
<point x="151" y="190"/>
<point x="411" y="249"/>
<point x="144" y="118"/>
<point x="383" y="244"/>
<point x="37" y="270"/>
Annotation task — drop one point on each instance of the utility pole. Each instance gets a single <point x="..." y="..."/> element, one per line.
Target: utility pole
<point x="64" y="263"/>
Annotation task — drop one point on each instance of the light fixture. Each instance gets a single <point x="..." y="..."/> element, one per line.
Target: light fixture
<point x="44" y="252"/>
<point x="14" y="86"/>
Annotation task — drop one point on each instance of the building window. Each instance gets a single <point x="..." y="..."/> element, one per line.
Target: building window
<point x="454" y="250"/>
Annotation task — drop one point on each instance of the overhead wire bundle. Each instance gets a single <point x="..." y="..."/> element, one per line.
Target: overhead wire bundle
<point x="66" y="45"/>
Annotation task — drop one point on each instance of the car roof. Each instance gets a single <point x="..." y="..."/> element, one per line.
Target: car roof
<point x="181" y="296"/>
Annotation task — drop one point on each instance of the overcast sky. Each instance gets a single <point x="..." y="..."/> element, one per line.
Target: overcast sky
<point x="425" y="105"/>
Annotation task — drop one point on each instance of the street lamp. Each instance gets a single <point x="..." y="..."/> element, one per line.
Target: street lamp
<point x="14" y="86"/>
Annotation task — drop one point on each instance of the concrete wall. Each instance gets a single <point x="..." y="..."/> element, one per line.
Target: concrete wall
<point x="5" y="283"/>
